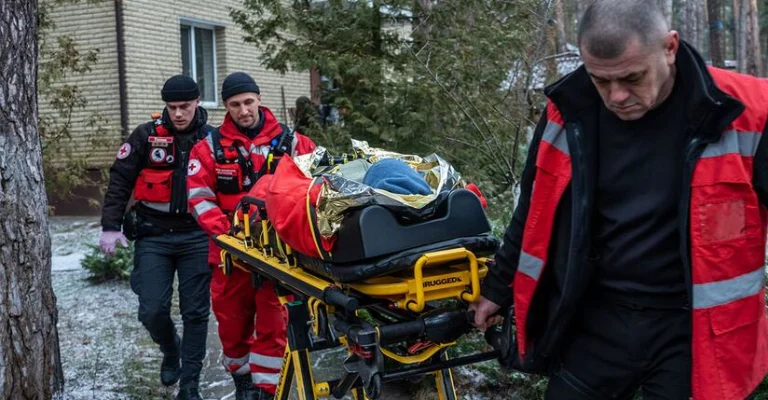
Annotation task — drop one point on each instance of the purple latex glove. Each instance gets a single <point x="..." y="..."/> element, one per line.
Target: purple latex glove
<point x="108" y="242"/>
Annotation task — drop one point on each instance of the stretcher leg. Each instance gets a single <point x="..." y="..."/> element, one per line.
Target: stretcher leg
<point x="446" y="390"/>
<point x="297" y="363"/>
<point x="283" y="389"/>
<point x="359" y="394"/>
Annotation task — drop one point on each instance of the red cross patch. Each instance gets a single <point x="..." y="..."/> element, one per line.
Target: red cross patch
<point x="124" y="151"/>
<point x="194" y="167"/>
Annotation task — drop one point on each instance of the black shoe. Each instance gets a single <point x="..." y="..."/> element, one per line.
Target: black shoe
<point x="170" y="369"/>
<point x="243" y="386"/>
<point x="189" y="394"/>
<point x="260" y="394"/>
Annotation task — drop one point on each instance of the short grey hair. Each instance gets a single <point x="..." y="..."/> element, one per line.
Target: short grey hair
<point x="607" y="26"/>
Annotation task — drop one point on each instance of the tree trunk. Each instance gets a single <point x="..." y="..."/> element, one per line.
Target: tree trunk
<point x="740" y="11"/>
<point x="702" y="26"/>
<point x="560" y="38"/>
<point x="30" y="366"/>
<point x="764" y="39"/>
<point x="579" y="6"/>
<point x="666" y="8"/>
<point x="716" y="39"/>
<point x="689" y="16"/>
<point x="752" y="60"/>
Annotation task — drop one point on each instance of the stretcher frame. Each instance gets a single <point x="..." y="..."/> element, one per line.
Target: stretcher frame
<point x="403" y="298"/>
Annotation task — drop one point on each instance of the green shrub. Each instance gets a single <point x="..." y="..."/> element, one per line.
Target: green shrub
<point x="103" y="268"/>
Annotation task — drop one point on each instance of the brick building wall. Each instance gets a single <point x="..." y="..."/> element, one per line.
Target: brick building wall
<point x="153" y="49"/>
<point x="152" y="37"/>
<point x="93" y="27"/>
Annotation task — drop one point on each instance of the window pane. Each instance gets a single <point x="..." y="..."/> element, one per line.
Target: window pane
<point x="186" y="65"/>
<point x="204" y="63"/>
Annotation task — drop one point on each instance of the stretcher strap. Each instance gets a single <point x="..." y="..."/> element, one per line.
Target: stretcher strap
<point x="324" y="255"/>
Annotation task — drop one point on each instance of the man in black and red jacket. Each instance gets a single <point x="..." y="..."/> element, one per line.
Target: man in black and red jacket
<point x="152" y="165"/>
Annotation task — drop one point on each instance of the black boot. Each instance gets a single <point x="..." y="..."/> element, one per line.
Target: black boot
<point x="260" y="394"/>
<point x="243" y="386"/>
<point x="189" y="394"/>
<point x="170" y="369"/>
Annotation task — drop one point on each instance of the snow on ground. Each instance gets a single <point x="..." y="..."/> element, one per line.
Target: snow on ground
<point x="107" y="354"/>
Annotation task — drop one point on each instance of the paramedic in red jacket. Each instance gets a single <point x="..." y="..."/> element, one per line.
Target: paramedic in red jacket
<point x="636" y="254"/>
<point x="222" y="168"/>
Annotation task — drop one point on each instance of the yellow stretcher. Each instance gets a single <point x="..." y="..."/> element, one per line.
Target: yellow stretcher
<point x="395" y="323"/>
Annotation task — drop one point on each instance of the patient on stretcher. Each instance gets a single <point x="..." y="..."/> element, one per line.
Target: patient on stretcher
<point x="374" y="215"/>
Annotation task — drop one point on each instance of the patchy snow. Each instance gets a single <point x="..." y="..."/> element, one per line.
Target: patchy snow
<point x="107" y="354"/>
<point x="70" y="262"/>
<point x="472" y="376"/>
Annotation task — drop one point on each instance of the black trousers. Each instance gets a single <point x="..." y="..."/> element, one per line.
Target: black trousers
<point x="615" y="349"/>
<point x="156" y="260"/>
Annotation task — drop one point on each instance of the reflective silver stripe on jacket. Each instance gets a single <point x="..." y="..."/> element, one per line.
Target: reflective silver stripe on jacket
<point x="530" y="265"/>
<point x="554" y="134"/>
<point x="163" y="207"/>
<point x="203" y="207"/>
<point x="734" y="142"/>
<point x="713" y="294"/>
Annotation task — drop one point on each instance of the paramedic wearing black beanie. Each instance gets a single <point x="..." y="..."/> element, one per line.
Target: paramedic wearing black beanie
<point x="237" y="83"/>
<point x="180" y="88"/>
<point x="152" y="164"/>
<point x="218" y="178"/>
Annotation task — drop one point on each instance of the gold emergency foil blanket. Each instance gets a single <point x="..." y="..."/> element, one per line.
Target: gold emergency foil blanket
<point x="340" y="195"/>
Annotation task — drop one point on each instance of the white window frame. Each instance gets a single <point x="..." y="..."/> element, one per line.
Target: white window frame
<point x="193" y="23"/>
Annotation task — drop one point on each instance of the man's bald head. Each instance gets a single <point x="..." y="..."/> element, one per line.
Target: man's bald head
<point x="609" y="25"/>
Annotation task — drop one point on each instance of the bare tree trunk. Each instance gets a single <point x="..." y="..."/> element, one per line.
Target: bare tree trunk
<point x="666" y="8"/>
<point x="560" y="38"/>
<point x="30" y="366"/>
<point x="579" y="6"/>
<point x="716" y="39"/>
<point x="752" y="60"/>
<point x="740" y="17"/>
<point x="702" y="26"/>
<point x="689" y="22"/>
<point x="764" y="39"/>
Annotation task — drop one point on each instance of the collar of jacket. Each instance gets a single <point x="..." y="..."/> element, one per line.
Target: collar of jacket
<point x="709" y="110"/>
<point x="253" y="132"/>
<point x="269" y="130"/>
<point x="198" y="122"/>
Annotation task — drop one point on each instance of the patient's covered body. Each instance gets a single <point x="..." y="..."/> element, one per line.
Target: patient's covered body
<point x="375" y="207"/>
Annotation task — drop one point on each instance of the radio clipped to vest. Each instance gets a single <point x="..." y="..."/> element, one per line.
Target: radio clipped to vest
<point x="236" y="174"/>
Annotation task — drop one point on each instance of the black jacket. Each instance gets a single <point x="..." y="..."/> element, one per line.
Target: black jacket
<point x="123" y="174"/>
<point x="571" y="264"/>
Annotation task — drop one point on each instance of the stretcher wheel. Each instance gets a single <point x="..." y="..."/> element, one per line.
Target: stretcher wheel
<point x="373" y="390"/>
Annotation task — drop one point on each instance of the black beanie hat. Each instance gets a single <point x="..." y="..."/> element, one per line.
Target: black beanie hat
<point x="236" y="83"/>
<point x="180" y="88"/>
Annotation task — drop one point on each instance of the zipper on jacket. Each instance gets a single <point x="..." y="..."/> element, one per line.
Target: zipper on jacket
<point x="180" y="184"/>
<point x="693" y="152"/>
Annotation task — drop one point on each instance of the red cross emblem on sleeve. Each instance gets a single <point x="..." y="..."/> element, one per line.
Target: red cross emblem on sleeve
<point x="124" y="151"/>
<point x="194" y="167"/>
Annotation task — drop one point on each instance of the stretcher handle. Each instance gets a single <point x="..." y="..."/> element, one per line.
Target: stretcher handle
<point x="442" y="325"/>
<point x="337" y="298"/>
<point x="403" y="331"/>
